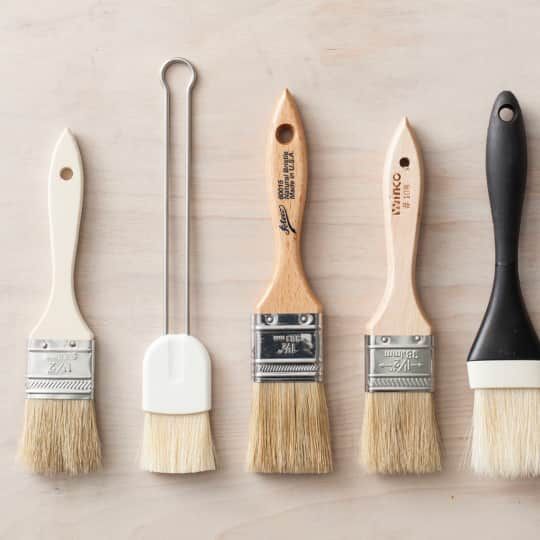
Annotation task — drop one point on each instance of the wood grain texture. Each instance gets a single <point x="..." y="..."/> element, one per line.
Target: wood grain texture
<point x="400" y="312"/>
<point x="355" y="68"/>
<point x="287" y="182"/>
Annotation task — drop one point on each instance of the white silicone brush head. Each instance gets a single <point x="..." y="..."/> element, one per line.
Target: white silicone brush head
<point x="176" y="400"/>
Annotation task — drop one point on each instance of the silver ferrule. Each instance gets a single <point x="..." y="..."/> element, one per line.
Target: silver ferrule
<point x="287" y="347"/>
<point x="399" y="363"/>
<point x="60" y="369"/>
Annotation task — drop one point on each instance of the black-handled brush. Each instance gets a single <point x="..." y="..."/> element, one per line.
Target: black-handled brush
<point x="504" y="362"/>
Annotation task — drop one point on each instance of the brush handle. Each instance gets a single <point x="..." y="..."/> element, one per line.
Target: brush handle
<point x="62" y="318"/>
<point x="287" y="178"/>
<point x="400" y="312"/>
<point x="506" y="332"/>
<point x="506" y="168"/>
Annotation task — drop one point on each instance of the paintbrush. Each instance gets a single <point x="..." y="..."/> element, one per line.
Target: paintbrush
<point x="399" y="433"/>
<point x="504" y="362"/>
<point x="289" y="429"/>
<point x="60" y="431"/>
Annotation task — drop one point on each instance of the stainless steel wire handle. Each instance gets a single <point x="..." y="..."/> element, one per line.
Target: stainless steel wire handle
<point x="187" y="167"/>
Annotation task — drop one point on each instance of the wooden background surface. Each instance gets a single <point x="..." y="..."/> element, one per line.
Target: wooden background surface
<point x="355" y="68"/>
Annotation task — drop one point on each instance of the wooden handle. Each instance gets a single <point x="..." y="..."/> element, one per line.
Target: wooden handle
<point x="62" y="318"/>
<point x="287" y="176"/>
<point x="400" y="312"/>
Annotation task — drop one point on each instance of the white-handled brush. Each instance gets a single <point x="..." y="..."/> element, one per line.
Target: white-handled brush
<point x="60" y="431"/>
<point x="176" y="369"/>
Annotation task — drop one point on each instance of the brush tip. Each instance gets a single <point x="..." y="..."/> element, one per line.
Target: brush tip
<point x="177" y="443"/>
<point x="400" y="433"/>
<point x="505" y="437"/>
<point x="289" y="430"/>
<point x="66" y="134"/>
<point x="286" y="96"/>
<point x="60" y="436"/>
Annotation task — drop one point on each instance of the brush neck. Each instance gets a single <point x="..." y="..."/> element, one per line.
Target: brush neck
<point x="506" y="332"/>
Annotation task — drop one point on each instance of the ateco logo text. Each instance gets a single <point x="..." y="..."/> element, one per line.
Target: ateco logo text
<point x="284" y="223"/>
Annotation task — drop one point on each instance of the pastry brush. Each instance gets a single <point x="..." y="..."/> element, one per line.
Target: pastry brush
<point x="504" y="361"/>
<point x="177" y="384"/>
<point x="60" y="431"/>
<point x="289" y="430"/>
<point x="399" y="432"/>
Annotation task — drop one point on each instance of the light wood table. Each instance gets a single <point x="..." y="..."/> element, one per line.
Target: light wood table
<point x="355" y="68"/>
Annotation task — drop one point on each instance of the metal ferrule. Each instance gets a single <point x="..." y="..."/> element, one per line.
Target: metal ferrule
<point x="287" y="347"/>
<point x="399" y="363"/>
<point x="60" y="369"/>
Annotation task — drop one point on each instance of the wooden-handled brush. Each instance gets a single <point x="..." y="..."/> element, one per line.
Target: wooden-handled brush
<point x="289" y="430"/>
<point x="399" y="433"/>
<point x="60" y="431"/>
<point x="504" y="362"/>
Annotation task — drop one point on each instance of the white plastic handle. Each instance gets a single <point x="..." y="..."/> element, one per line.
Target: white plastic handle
<point x="62" y="318"/>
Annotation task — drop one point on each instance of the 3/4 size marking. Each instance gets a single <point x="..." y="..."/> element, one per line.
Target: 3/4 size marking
<point x="403" y="365"/>
<point x="60" y="363"/>
<point x="287" y="183"/>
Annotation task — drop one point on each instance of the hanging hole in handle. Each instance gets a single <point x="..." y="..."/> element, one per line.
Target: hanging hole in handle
<point x="284" y="133"/>
<point x="66" y="173"/>
<point x="404" y="162"/>
<point x="506" y="113"/>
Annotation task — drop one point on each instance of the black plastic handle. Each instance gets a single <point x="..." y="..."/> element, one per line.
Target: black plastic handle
<point x="506" y="167"/>
<point x="506" y="332"/>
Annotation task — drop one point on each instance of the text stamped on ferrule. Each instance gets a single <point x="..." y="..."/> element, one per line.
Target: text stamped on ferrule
<point x="399" y="363"/>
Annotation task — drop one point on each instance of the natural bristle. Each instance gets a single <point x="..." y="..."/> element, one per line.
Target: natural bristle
<point x="400" y="433"/>
<point x="177" y="443"/>
<point x="60" y="436"/>
<point x="505" y="435"/>
<point x="289" y="431"/>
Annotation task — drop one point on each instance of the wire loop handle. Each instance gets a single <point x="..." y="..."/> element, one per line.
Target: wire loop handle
<point x="166" y="173"/>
